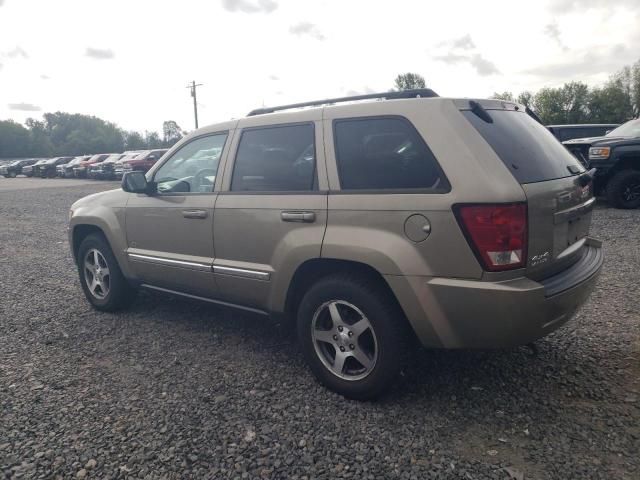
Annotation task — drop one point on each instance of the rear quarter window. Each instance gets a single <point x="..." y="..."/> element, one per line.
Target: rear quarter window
<point x="530" y="152"/>
<point x="385" y="153"/>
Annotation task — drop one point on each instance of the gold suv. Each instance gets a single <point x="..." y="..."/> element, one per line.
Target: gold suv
<point x="366" y="220"/>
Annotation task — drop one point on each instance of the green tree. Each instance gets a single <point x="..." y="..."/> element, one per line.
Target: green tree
<point x="40" y="143"/>
<point x="506" y="96"/>
<point x="611" y="103"/>
<point x="525" y="98"/>
<point x="409" y="81"/>
<point x="134" y="141"/>
<point x="76" y="134"/>
<point x="152" y="140"/>
<point x="567" y="104"/>
<point x="171" y="132"/>
<point x="14" y="140"/>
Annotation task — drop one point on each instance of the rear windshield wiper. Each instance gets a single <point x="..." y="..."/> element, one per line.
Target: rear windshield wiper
<point x="479" y="111"/>
<point x="533" y="115"/>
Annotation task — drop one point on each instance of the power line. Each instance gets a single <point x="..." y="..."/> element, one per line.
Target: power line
<point x="193" y="86"/>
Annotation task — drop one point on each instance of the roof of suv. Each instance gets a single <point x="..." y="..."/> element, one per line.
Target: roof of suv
<point x="306" y="109"/>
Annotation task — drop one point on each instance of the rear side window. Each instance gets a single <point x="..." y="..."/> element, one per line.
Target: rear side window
<point x="385" y="154"/>
<point x="275" y="159"/>
<point x="571" y="133"/>
<point x="527" y="149"/>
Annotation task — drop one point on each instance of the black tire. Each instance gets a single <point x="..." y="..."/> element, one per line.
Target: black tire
<point x="119" y="293"/>
<point x="388" y="325"/>
<point x="623" y="189"/>
<point x="12" y="175"/>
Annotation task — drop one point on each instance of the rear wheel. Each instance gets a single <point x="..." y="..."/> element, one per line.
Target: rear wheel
<point x="352" y="335"/>
<point x="623" y="190"/>
<point x="102" y="281"/>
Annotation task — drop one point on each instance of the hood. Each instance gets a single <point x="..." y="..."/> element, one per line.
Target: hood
<point x="602" y="141"/>
<point x="110" y="197"/>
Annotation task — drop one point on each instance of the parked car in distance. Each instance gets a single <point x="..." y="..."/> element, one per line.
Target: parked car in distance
<point x="13" y="169"/>
<point x="80" y="170"/>
<point x="106" y="170"/>
<point x="66" y="170"/>
<point x="568" y="132"/>
<point x="462" y="223"/>
<point x="48" y="168"/>
<point x="33" y="169"/>
<point x="616" y="158"/>
<point x="141" y="163"/>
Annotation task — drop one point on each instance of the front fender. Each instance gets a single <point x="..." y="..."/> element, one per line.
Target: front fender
<point x="111" y="222"/>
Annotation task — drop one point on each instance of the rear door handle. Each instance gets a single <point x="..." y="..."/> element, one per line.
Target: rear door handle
<point x="303" y="217"/>
<point x="197" y="214"/>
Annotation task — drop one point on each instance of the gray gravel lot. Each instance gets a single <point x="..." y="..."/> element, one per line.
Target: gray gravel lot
<point x="176" y="389"/>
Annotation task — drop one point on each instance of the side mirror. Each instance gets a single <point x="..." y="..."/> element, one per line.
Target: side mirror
<point x="136" y="182"/>
<point x="607" y="132"/>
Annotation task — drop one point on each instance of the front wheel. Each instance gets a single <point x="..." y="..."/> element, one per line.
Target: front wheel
<point x="352" y="335"/>
<point x="623" y="190"/>
<point x="102" y="281"/>
<point x="13" y="174"/>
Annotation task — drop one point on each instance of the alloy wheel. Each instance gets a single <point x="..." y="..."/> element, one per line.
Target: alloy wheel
<point x="96" y="274"/>
<point x="344" y="340"/>
<point x="631" y="192"/>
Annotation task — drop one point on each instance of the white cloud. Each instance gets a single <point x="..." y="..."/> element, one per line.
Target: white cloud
<point x="99" y="53"/>
<point x="552" y="30"/>
<point x="465" y="43"/>
<point x="17" y="52"/>
<point x="250" y="6"/>
<point x="306" y="28"/>
<point x="566" y="6"/>
<point x="24" y="107"/>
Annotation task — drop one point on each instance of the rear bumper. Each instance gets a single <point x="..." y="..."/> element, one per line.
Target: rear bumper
<point x="456" y="313"/>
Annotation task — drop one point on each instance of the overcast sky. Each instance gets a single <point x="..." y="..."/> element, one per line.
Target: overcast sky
<point x="129" y="61"/>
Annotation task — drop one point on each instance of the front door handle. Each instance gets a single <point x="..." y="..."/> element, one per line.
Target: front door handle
<point x="197" y="214"/>
<point x="303" y="217"/>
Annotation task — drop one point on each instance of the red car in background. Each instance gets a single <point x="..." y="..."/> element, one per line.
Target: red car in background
<point x="81" y="169"/>
<point x="142" y="162"/>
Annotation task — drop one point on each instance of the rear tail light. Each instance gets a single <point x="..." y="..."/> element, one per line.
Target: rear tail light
<point x="497" y="233"/>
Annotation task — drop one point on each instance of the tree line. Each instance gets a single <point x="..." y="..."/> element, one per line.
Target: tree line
<point x="62" y="133"/>
<point x="617" y="101"/>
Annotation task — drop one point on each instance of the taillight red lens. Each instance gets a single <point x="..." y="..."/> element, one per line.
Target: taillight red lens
<point x="497" y="233"/>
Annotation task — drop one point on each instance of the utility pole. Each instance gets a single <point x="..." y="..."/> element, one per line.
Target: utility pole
<point x="193" y="87"/>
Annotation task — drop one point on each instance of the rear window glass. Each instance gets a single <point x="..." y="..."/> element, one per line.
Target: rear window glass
<point x="527" y="149"/>
<point x="385" y="154"/>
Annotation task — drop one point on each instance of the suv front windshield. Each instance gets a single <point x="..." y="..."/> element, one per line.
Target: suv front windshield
<point x="629" y="129"/>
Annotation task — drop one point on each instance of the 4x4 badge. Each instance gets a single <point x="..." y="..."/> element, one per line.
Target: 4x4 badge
<point x="539" y="259"/>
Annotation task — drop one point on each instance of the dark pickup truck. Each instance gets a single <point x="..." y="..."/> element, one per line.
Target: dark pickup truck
<point x="616" y="158"/>
<point x="581" y="130"/>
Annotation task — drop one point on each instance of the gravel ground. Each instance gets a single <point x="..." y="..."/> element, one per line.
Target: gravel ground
<point x="176" y="389"/>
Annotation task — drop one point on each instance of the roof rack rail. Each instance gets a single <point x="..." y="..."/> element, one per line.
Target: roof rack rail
<point x="418" y="92"/>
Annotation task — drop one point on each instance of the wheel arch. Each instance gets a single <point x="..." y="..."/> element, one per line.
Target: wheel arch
<point x="79" y="233"/>
<point x="314" y="269"/>
<point x="110" y="228"/>
<point x="626" y="158"/>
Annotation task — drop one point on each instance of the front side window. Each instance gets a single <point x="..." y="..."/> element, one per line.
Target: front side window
<point x="385" y="154"/>
<point x="275" y="159"/>
<point x="193" y="168"/>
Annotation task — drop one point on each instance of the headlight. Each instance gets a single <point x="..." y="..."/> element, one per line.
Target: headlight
<point x="599" y="153"/>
